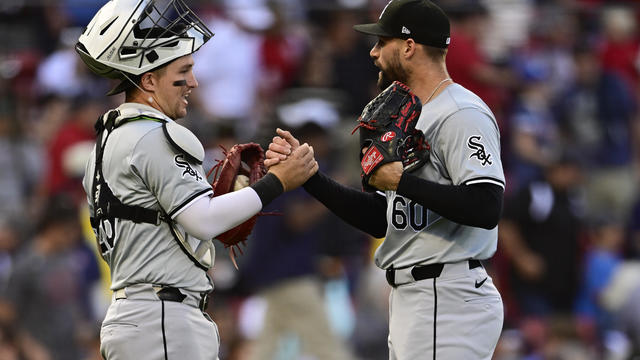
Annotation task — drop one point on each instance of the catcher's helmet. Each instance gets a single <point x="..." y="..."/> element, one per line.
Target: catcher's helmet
<point x="137" y="36"/>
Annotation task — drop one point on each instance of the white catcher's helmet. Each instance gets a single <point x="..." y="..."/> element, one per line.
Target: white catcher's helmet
<point x="137" y="36"/>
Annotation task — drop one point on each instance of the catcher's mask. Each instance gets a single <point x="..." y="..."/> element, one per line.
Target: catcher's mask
<point x="136" y="36"/>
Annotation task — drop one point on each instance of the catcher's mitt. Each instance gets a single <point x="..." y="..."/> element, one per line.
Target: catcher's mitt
<point x="242" y="162"/>
<point x="388" y="130"/>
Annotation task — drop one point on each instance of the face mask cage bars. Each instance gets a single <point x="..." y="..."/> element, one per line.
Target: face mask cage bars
<point x="162" y="19"/>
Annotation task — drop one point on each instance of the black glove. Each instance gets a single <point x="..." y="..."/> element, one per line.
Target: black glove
<point x="388" y="132"/>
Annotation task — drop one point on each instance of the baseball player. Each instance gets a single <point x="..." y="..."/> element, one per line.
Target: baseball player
<point x="439" y="221"/>
<point x="152" y="208"/>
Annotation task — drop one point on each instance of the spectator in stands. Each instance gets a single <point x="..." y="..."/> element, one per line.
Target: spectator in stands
<point x="45" y="287"/>
<point x="540" y="234"/>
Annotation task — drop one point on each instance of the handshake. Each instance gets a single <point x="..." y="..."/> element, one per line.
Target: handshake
<point x="293" y="164"/>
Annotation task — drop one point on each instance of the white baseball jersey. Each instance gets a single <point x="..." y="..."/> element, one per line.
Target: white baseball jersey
<point x="465" y="150"/>
<point x="142" y="168"/>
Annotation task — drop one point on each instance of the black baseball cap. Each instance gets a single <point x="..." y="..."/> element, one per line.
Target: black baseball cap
<point x="421" y="20"/>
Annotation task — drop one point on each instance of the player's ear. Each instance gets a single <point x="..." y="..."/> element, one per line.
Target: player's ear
<point x="148" y="81"/>
<point x="409" y="48"/>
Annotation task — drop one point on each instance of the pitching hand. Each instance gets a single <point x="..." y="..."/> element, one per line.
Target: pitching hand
<point x="387" y="176"/>
<point x="280" y="147"/>
<point x="297" y="168"/>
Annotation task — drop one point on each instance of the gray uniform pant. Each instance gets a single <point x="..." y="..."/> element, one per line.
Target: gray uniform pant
<point x="142" y="326"/>
<point x="457" y="315"/>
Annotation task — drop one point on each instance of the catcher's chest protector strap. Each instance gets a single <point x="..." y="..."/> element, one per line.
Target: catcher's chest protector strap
<point x="106" y="205"/>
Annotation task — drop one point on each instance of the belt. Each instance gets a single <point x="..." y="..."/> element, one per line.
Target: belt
<point x="420" y="272"/>
<point x="166" y="293"/>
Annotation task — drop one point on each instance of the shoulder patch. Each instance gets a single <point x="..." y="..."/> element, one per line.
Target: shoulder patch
<point x="474" y="143"/>
<point x="184" y="141"/>
<point x="187" y="169"/>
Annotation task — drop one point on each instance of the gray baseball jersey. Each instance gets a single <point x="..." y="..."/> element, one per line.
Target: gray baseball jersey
<point x="465" y="149"/>
<point x="142" y="168"/>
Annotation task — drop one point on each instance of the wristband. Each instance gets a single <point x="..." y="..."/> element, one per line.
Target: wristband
<point x="268" y="188"/>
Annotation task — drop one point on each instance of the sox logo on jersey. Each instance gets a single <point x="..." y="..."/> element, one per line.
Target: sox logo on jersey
<point x="188" y="170"/>
<point x="474" y="144"/>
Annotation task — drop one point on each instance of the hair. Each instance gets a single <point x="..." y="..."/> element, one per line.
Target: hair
<point x="435" y="54"/>
<point x="131" y="88"/>
<point x="137" y="79"/>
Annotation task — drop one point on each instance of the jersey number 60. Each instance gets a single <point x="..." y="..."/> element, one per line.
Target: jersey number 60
<point x="412" y="214"/>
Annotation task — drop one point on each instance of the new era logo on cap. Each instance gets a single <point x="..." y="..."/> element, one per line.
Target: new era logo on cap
<point x="421" y="20"/>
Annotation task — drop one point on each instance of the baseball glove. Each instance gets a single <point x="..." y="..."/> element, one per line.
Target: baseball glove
<point x="388" y="131"/>
<point x="243" y="165"/>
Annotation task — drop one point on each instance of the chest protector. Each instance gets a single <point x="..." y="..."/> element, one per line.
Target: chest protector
<point x="108" y="209"/>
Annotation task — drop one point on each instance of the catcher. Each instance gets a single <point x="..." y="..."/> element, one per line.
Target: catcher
<point x="152" y="210"/>
<point x="430" y="154"/>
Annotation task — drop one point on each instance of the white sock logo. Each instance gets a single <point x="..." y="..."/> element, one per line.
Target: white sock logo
<point x="385" y="9"/>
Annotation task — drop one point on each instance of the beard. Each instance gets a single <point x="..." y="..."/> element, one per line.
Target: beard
<point x="393" y="72"/>
<point x="384" y="80"/>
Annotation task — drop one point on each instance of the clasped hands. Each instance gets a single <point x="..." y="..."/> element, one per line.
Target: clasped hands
<point x="285" y="147"/>
<point x="294" y="167"/>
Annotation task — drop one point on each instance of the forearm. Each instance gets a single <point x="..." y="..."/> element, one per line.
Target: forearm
<point x="477" y="205"/>
<point x="364" y="211"/>
<point x="209" y="217"/>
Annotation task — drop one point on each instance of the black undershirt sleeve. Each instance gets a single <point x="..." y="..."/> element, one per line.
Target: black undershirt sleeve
<point x="478" y="205"/>
<point x="365" y="211"/>
<point x="268" y="188"/>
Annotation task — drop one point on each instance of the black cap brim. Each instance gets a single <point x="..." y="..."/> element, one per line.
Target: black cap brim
<point x="372" y="29"/>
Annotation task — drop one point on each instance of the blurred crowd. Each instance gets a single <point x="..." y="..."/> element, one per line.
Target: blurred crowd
<point x="562" y="77"/>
